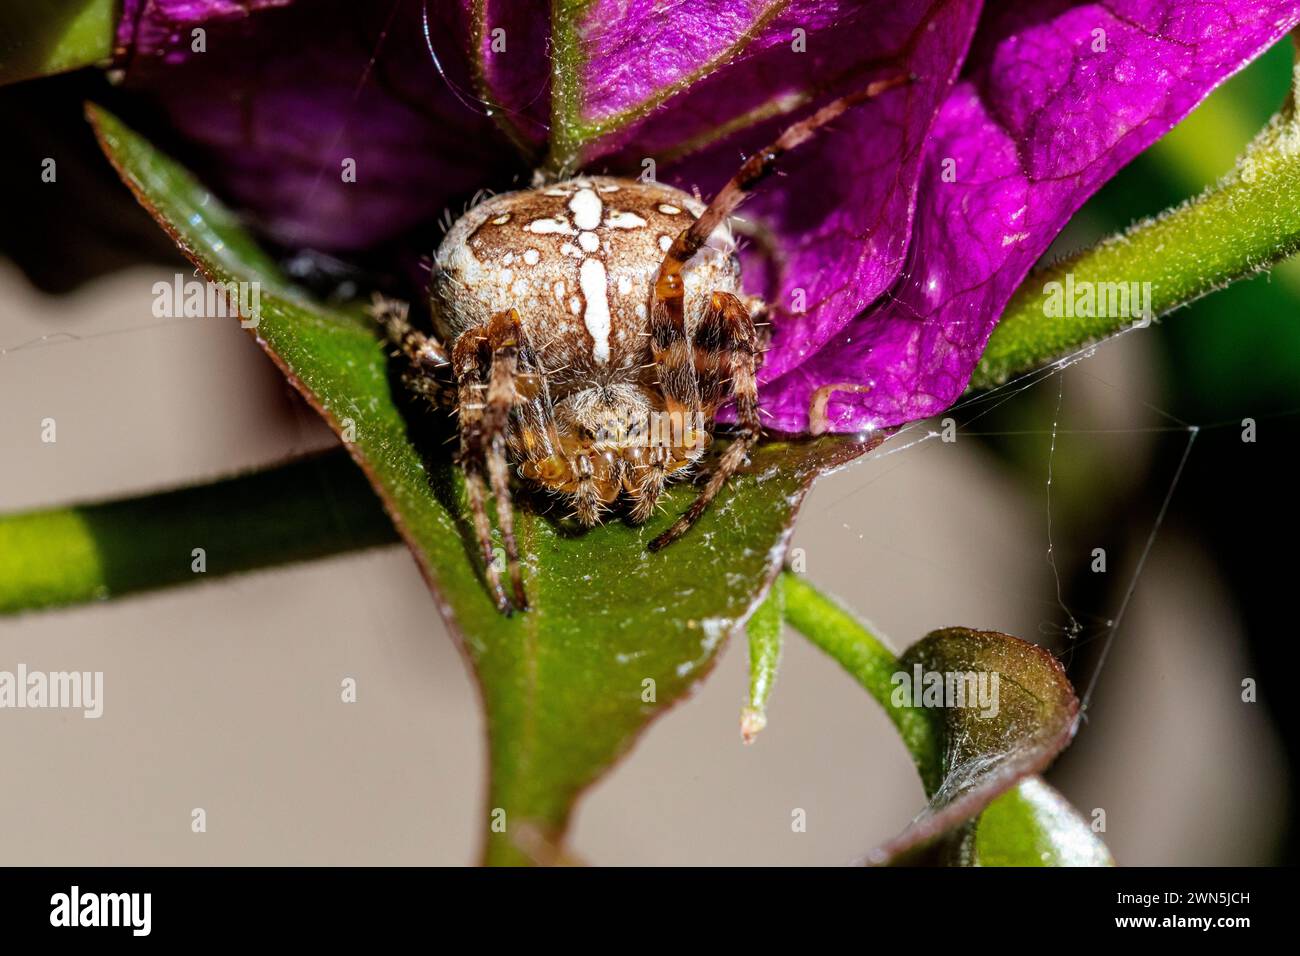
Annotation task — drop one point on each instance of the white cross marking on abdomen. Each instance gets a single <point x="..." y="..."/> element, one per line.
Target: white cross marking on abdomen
<point x="591" y="279"/>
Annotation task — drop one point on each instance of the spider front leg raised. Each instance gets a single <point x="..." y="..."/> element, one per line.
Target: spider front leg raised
<point x="725" y="337"/>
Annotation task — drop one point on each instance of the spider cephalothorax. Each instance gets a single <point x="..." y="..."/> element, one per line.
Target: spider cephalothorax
<point x="593" y="328"/>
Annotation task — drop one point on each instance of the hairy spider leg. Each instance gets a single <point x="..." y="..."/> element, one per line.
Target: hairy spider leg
<point x="421" y="350"/>
<point x="758" y="167"/>
<point x="725" y="361"/>
<point x="426" y="357"/>
<point x="485" y="361"/>
<point x="471" y="404"/>
<point x="513" y="381"/>
<point x="672" y="350"/>
<point x="505" y="339"/>
<point x="494" y="373"/>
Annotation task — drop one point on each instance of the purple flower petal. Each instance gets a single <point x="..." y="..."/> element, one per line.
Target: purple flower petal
<point x="832" y="231"/>
<point x="282" y="98"/>
<point x="1046" y="113"/>
<point x="278" y="101"/>
<point x="162" y="28"/>
<point x="881" y="274"/>
<point x="508" y="46"/>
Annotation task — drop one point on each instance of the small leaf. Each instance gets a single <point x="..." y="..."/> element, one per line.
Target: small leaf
<point x="765" y="635"/>
<point x="53" y="36"/>
<point x="990" y="745"/>
<point x="968" y="763"/>
<point x="1033" y="825"/>
<point x="615" y="635"/>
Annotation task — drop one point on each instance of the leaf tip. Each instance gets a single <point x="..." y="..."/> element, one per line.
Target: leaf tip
<point x="752" y="721"/>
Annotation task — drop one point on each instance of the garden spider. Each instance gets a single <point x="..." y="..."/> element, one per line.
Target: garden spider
<point x="596" y="325"/>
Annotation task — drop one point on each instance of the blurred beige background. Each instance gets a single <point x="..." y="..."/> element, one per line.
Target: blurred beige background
<point x="225" y="695"/>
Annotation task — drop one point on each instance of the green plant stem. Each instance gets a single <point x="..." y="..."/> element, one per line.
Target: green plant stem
<point x="867" y="659"/>
<point x="566" y="86"/>
<point x="308" y="509"/>
<point x="1247" y="222"/>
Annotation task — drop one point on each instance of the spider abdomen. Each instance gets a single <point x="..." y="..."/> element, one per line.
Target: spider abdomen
<point x="576" y="260"/>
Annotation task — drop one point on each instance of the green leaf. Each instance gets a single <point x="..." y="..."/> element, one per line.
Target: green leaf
<point x="53" y="36"/>
<point x="978" y="764"/>
<point x="765" y="637"/>
<point x="615" y="635"/>
<point x="1247" y="222"/>
<point x="310" y="508"/>
<point x="1033" y="825"/>
<point x="987" y="747"/>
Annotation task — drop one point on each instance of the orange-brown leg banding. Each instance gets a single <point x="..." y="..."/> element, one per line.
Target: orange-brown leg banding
<point x="421" y="350"/>
<point x="504" y="339"/>
<point x="725" y="338"/>
<point x="468" y="366"/>
<point x="725" y="364"/>
<point x="490" y="385"/>
<point x="647" y="484"/>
